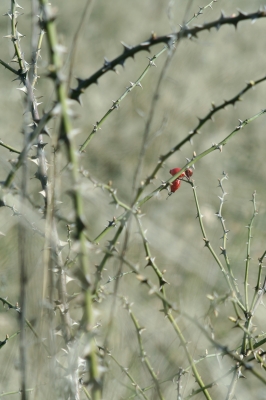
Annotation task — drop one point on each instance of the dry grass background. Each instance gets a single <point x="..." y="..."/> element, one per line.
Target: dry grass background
<point x="212" y="68"/>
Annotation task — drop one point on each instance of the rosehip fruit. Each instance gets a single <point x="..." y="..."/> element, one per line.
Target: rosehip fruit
<point x="175" y="171"/>
<point x="175" y="185"/>
<point x="189" y="172"/>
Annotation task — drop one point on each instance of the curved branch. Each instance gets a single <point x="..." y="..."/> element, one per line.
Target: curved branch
<point x="169" y="39"/>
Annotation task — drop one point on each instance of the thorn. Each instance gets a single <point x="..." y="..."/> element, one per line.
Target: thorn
<point x="24" y="89"/>
<point x="207" y="242"/>
<point x="126" y="47"/>
<point x="115" y="104"/>
<point x="106" y="63"/>
<point x="151" y="62"/>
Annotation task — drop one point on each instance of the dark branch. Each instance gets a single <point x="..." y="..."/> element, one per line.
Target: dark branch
<point x="169" y="39"/>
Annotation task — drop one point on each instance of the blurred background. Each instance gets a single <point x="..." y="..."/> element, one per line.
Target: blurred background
<point x="212" y="68"/>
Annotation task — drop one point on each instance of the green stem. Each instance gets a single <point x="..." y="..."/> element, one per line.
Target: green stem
<point x="209" y="246"/>
<point x="190" y="359"/>
<point x="248" y="258"/>
<point x="116" y="103"/>
<point x="11" y="149"/>
<point x="66" y="136"/>
<point x="143" y="354"/>
<point x="195" y="159"/>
